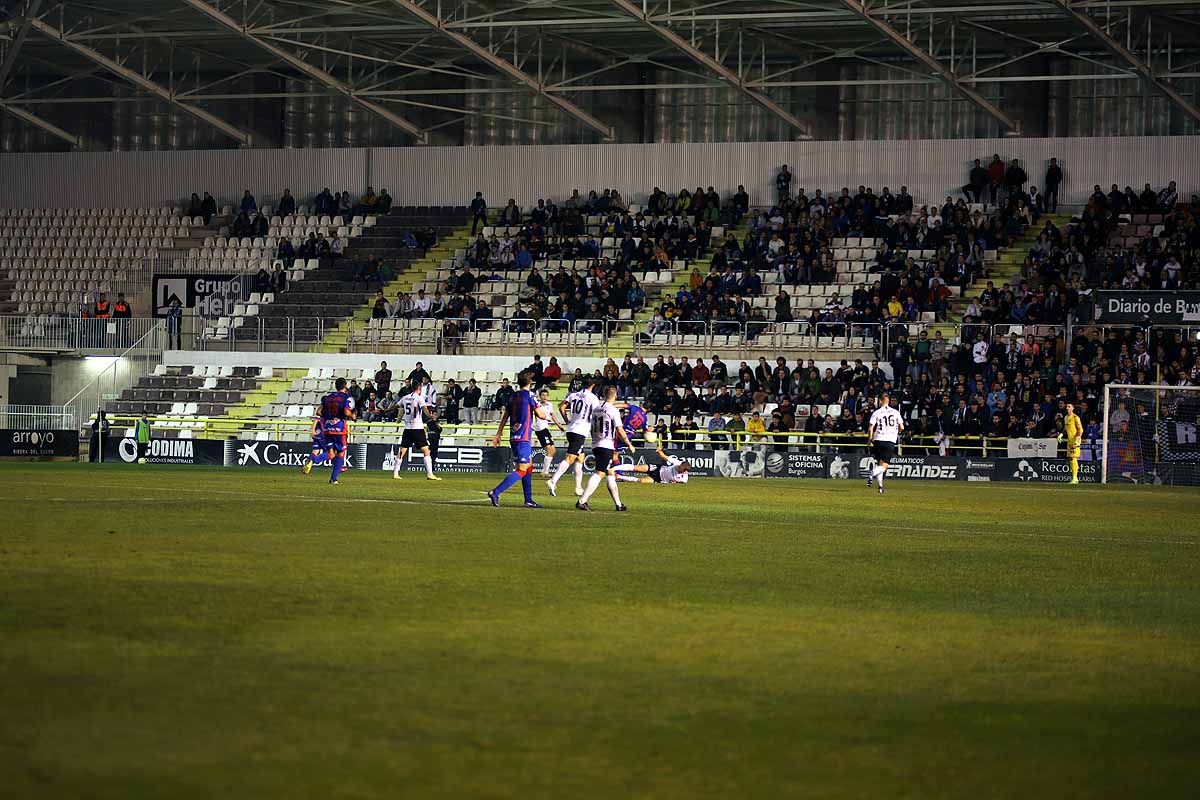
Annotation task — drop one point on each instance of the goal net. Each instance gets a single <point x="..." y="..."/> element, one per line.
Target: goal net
<point x="1150" y="435"/>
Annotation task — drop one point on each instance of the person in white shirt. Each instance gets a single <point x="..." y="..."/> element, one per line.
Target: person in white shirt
<point x="541" y="429"/>
<point x="607" y="430"/>
<point x="421" y="305"/>
<point x="672" y="470"/>
<point x="979" y="352"/>
<point x="883" y="433"/>
<point x="413" y="410"/>
<point x="577" y="409"/>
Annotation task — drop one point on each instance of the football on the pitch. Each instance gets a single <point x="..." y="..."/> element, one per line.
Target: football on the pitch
<point x="651" y="437"/>
<point x="141" y="461"/>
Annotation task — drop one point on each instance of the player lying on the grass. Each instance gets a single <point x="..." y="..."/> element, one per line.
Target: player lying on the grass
<point x="606" y="430"/>
<point x="672" y="470"/>
<point x="522" y="409"/>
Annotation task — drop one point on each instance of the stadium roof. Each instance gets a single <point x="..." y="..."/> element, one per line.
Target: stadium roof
<point x="410" y="64"/>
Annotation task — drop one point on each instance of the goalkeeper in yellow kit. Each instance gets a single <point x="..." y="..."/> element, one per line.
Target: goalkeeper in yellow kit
<point x="1073" y="431"/>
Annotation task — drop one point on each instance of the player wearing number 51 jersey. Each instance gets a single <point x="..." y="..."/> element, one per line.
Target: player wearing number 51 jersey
<point x="607" y="430"/>
<point x="413" y="410"/>
<point x="883" y="433"/>
<point x="577" y="409"/>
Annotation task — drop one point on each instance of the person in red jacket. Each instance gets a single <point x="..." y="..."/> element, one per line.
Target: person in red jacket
<point x="995" y="175"/>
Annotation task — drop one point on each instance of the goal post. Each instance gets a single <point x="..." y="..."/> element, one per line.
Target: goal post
<point x="1149" y="434"/>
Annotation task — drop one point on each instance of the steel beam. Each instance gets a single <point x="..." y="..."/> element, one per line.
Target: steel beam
<point x="316" y="73"/>
<point x="18" y="39"/>
<point x="504" y="66"/>
<point x="1141" y="67"/>
<point x="939" y="70"/>
<point x="38" y="122"/>
<point x="141" y="81"/>
<point x="714" y="66"/>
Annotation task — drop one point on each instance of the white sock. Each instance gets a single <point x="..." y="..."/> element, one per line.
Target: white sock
<point x="396" y="468"/>
<point x="593" y="482"/>
<point x="621" y="468"/>
<point x="612" y="489"/>
<point x="558" y="473"/>
<point x="882" y="472"/>
<point x="546" y="464"/>
<point x="429" y="465"/>
<point x="876" y="471"/>
<point x="629" y="478"/>
<point x="578" y="475"/>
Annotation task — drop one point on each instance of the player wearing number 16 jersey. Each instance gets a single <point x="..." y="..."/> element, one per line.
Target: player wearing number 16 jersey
<point x="577" y="409"/>
<point x="883" y="434"/>
<point x="607" y="430"/>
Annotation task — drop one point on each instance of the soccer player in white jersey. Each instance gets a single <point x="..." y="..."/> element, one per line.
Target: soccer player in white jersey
<point x="672" y="470"/>
<point x="607" y="430"/>
<point x="577" y="409"/>
<point x="541" y="429"/>
<point x="413" y="409"/>
<point x="883" y="434"/>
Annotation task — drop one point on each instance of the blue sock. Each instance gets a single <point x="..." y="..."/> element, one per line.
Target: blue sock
<point x="509" y="480"/>
<point x="527" y="485"/>
<point x="338" y="461"/>
<point x="320" y="458"/>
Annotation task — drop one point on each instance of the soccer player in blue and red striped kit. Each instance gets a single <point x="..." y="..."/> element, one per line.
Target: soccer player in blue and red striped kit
<point x="337" y="409"/>
<point x="518" y="415"/>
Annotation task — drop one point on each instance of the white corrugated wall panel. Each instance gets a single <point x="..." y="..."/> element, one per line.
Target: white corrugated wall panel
<point x="451" y="175"/>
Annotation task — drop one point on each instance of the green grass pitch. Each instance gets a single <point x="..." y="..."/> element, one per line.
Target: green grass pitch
<point x="202" y="633"/>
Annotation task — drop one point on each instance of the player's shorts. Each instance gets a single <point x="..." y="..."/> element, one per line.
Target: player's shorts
<point x="335" y="442"/>
<point x="575" y="443"/>
<point x="522" y="452"/>
<point x="654" y="473"/>
<point x="603" y="457"/>
<point x="413" y="439"/>
<point x="883" y="451"/>
<point x="1074" y="451"/>
<point x="544" y="438"/>
<point x="319" y="444"/>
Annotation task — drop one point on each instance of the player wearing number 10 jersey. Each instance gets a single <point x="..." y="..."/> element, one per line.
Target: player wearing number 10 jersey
<point x="883" y="433"/>
<point x="577" y="409"/>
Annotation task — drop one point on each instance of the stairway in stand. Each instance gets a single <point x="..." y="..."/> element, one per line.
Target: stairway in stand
<point x="1006" y="269"/>
<point x="622" y="340"/>
<point x="413" y="272"/>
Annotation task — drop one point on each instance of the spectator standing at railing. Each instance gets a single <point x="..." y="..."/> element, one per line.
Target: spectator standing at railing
<point x="783" y="184"/>
<point x="208" y="208"/>
<point x="1054" y="179"/>
<point x="286" y="207"/>
<point x="175" y="325"/>
<point x="503" y="395"/>
<point x="977" y="181"/>
<point x="478" y="211"/>
<point x="453" y="394"/>
<point x="471" y="398"/>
